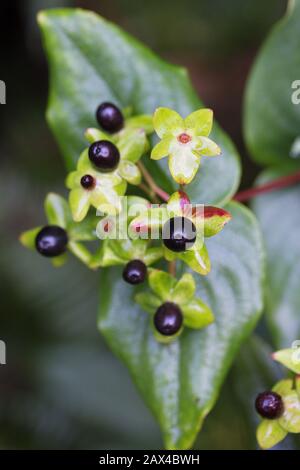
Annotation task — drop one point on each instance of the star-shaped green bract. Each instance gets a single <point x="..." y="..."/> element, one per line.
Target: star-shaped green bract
<point x="271" y="431"/>
<point x="118" y="248"/>
<point x="108" y="187"/>
<point x="165" y="288"/>
<point x="58" y="213"/>
<point x="184" y="141"/>
<point x="208" y="220"/>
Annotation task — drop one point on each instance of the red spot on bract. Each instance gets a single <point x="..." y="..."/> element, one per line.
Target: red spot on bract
<point x="141" y="228"/>
<point x="184" y="138"/>
<point x="183" y="199"/>
<point x="106" y="227"/>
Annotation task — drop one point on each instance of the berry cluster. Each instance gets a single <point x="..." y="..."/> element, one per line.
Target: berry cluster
<point x="280" y="407"/>
<point x="110" y="163"/>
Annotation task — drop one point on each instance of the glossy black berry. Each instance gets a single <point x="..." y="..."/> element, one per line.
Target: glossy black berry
<point x="109" y="117"/>
<point x="87" y="182"/>
<point x="135" y="272"/>
<point x="179" y="234"/>
<point x="168" y="319"/>
<point x="51" y="241"/>
<point x="104" y="155"/>
<point x="269" y="405"/>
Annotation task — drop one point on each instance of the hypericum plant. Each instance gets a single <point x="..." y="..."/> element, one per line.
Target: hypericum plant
<point x="177" y="299"/>
<point x="173" y="314"/>
<point x="103" y="171"/>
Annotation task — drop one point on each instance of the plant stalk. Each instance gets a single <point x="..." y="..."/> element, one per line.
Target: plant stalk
<point x="278" y="183"/>
<point x="155" y="188"/>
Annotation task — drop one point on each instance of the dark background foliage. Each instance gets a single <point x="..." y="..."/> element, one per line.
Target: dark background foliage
<point x="61" y="387"/>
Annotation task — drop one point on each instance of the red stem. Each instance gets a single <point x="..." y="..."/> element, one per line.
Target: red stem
<point x="155" y="188"/>
<point x="279" y="183"/>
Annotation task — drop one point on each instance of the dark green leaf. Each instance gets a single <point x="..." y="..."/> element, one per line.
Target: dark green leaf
<point x="279" y="216"/>
<point x="92" y="61"/>
<point x="272" y="121"/>
<point x="181" y="382"/>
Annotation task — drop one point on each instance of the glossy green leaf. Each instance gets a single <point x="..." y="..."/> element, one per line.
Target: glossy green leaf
<point x="272" y="119"/>
<point x="180" y="382"/>
<point x="279" y="217"/>
<point x="92" y="61"/>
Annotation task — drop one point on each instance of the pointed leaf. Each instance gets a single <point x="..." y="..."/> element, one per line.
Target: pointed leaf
<point x="272" y="118"/>
<point x="282" y="250"/>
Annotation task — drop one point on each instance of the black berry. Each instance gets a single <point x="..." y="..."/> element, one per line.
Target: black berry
<point x="109" y="117"/>
<point x="104" y="155"/>
<point x="269" y="405"/>
<point x="135" y="272"/>
<point x="51" y="241"/>
<point x="168" y="319"/>
<point x="87" y="182"/>
<point x="179" y="234"/>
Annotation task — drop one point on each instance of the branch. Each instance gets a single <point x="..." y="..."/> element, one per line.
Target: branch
<point x="279" y="183"/>
<point x="155" y="188"/>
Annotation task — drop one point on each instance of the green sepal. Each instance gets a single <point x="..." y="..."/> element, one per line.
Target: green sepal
<point x="57" y="210"/>
<point x="130" y="172"/>
<point x="131" y="144"/>
<point x="28" y="238"/>
<point x="200" y="121"/>
<point x="284" y="387"/>
<point x="196" y="314"/>
<point x="80" y="251"/>
<point x="148" y="301"/>
<point x="289" y="358"/>
<point x="164" y="339"/>
<point x="290" y="420"/>
<point x="184" y="290"/>
<point x="84" y="230"/>
<point x="166" y="121"/>
<point x="297" y="383"/>
<point x="161" y="283"/>
<point x="152" y="255"/>
<point x="196" y="258"/>
<point x="142" y="121"/>
<point x="269" y="433"/>
<point x="105" y="256"/>
<point x="58" y="261"/>
<point x="93" y="134"/>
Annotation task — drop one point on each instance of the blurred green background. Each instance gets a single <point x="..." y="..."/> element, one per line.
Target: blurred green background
<point x="61" y="387"/>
